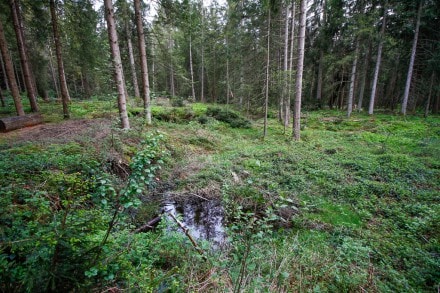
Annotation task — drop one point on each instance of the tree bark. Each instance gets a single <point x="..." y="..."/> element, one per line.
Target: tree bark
<point x="17" y="122"/>
<point x="411" y="62"/>
<point x="266" y="100"/>
<point x="299" y="72"/>
<point x="23" y="56"/>
<point x="143" y="60"/>
<point x="352" y="81"/>
<point x="170" y="46"/>
<point x="292" y="48"/>
<point x="9" y="71"/>
<point x="228" y="84"/>
<point x="378" y="62"/>
<point x="321" y="59"/>
<point x="65" y="97"/>
<point x="117" y="64"/>
<point x="52" y="71"/>
<point x="284" y="97"/>
<point x="193" y="92"/>
<point x="202" y="77"/>
<point x="132" y="64"/>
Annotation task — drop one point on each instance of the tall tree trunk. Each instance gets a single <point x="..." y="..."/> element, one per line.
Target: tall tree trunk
<point x="117" y="64"/>
<point x="143" y="60"/>
<point x="5" y="78"/>
<point x="132" y="64"/>
<point x="364" y="77"/>
<point x="321" y="59"/>
<point x="62" y="77"/>
<point x="52" y="70"/>
<point x="292" y="48"/>
<point x="191" y="68"/>
<point x="411" y="62"/>
<point x="428" y="102"/>
<point x="202" y="77"/>
<point x="299" y="72"/>
<point x="173" y="87"/>
<point x="285" y="75"/>
<point x="228" y="85"/>
<point x="341" y="96"/>
<point x="378" y="62"/>
<point x="352" y="81"/>
<point x="266" y="99"/>
<point x="9" y="71"/>
<point x="23" y="56"/>
<point x="240" y="98"/>
<point x="153" y="66"/>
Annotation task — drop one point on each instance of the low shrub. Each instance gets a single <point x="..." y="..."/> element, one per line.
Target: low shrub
<point x="232" y="118"/>
<point x="177" y="102"/>
<point x="175" y="115"/>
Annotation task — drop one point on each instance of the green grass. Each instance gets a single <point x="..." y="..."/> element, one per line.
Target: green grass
<point x="353" y="206"/>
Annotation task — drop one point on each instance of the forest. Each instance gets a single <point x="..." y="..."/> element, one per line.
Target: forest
<point x="219" y="146"/>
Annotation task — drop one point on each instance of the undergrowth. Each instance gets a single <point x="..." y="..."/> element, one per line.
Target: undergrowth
<point x="352" y="207"/>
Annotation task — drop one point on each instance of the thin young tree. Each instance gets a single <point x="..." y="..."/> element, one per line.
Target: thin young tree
<point x="202" y="75"/>
<point x="266" y="100"/>
<point x="132" y="63"/>
<point x="378" y="62"/>
<point x="411" y="62"/>
<point x="299" y="72"/>
<point x="117" y="64"/>
<point x="292" y="48"/>
<point x="65" y="97"/>
<point x="9" y="71"/>
<point x="285" y="93"/>
<point x="322" y="21"/>
<point x="143" y="58"/>
<point x="352" y="81"/>
<point x="15" y="12"/>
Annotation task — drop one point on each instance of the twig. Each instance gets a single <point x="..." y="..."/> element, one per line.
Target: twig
<point x="194" y="194"/>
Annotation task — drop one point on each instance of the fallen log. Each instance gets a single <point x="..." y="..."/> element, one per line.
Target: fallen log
<point x="186" y="232"/>
<point x="148" y="226"/>
<point x="17" y="122"/>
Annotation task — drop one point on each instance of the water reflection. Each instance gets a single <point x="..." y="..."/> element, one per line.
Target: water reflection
<point x="204" y="219"/>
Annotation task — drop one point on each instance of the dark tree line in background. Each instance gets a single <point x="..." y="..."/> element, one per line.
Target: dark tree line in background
<point x="365" y="54"/>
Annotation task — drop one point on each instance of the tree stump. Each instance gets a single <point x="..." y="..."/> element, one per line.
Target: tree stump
<point x="17" y="122"/>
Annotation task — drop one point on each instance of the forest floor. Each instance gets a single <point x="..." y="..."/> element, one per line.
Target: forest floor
<point x="66" y="131"/>
<point x="354" y="206"/>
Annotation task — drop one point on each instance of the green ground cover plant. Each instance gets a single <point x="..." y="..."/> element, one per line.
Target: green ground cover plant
<point x="352" y="207"/>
